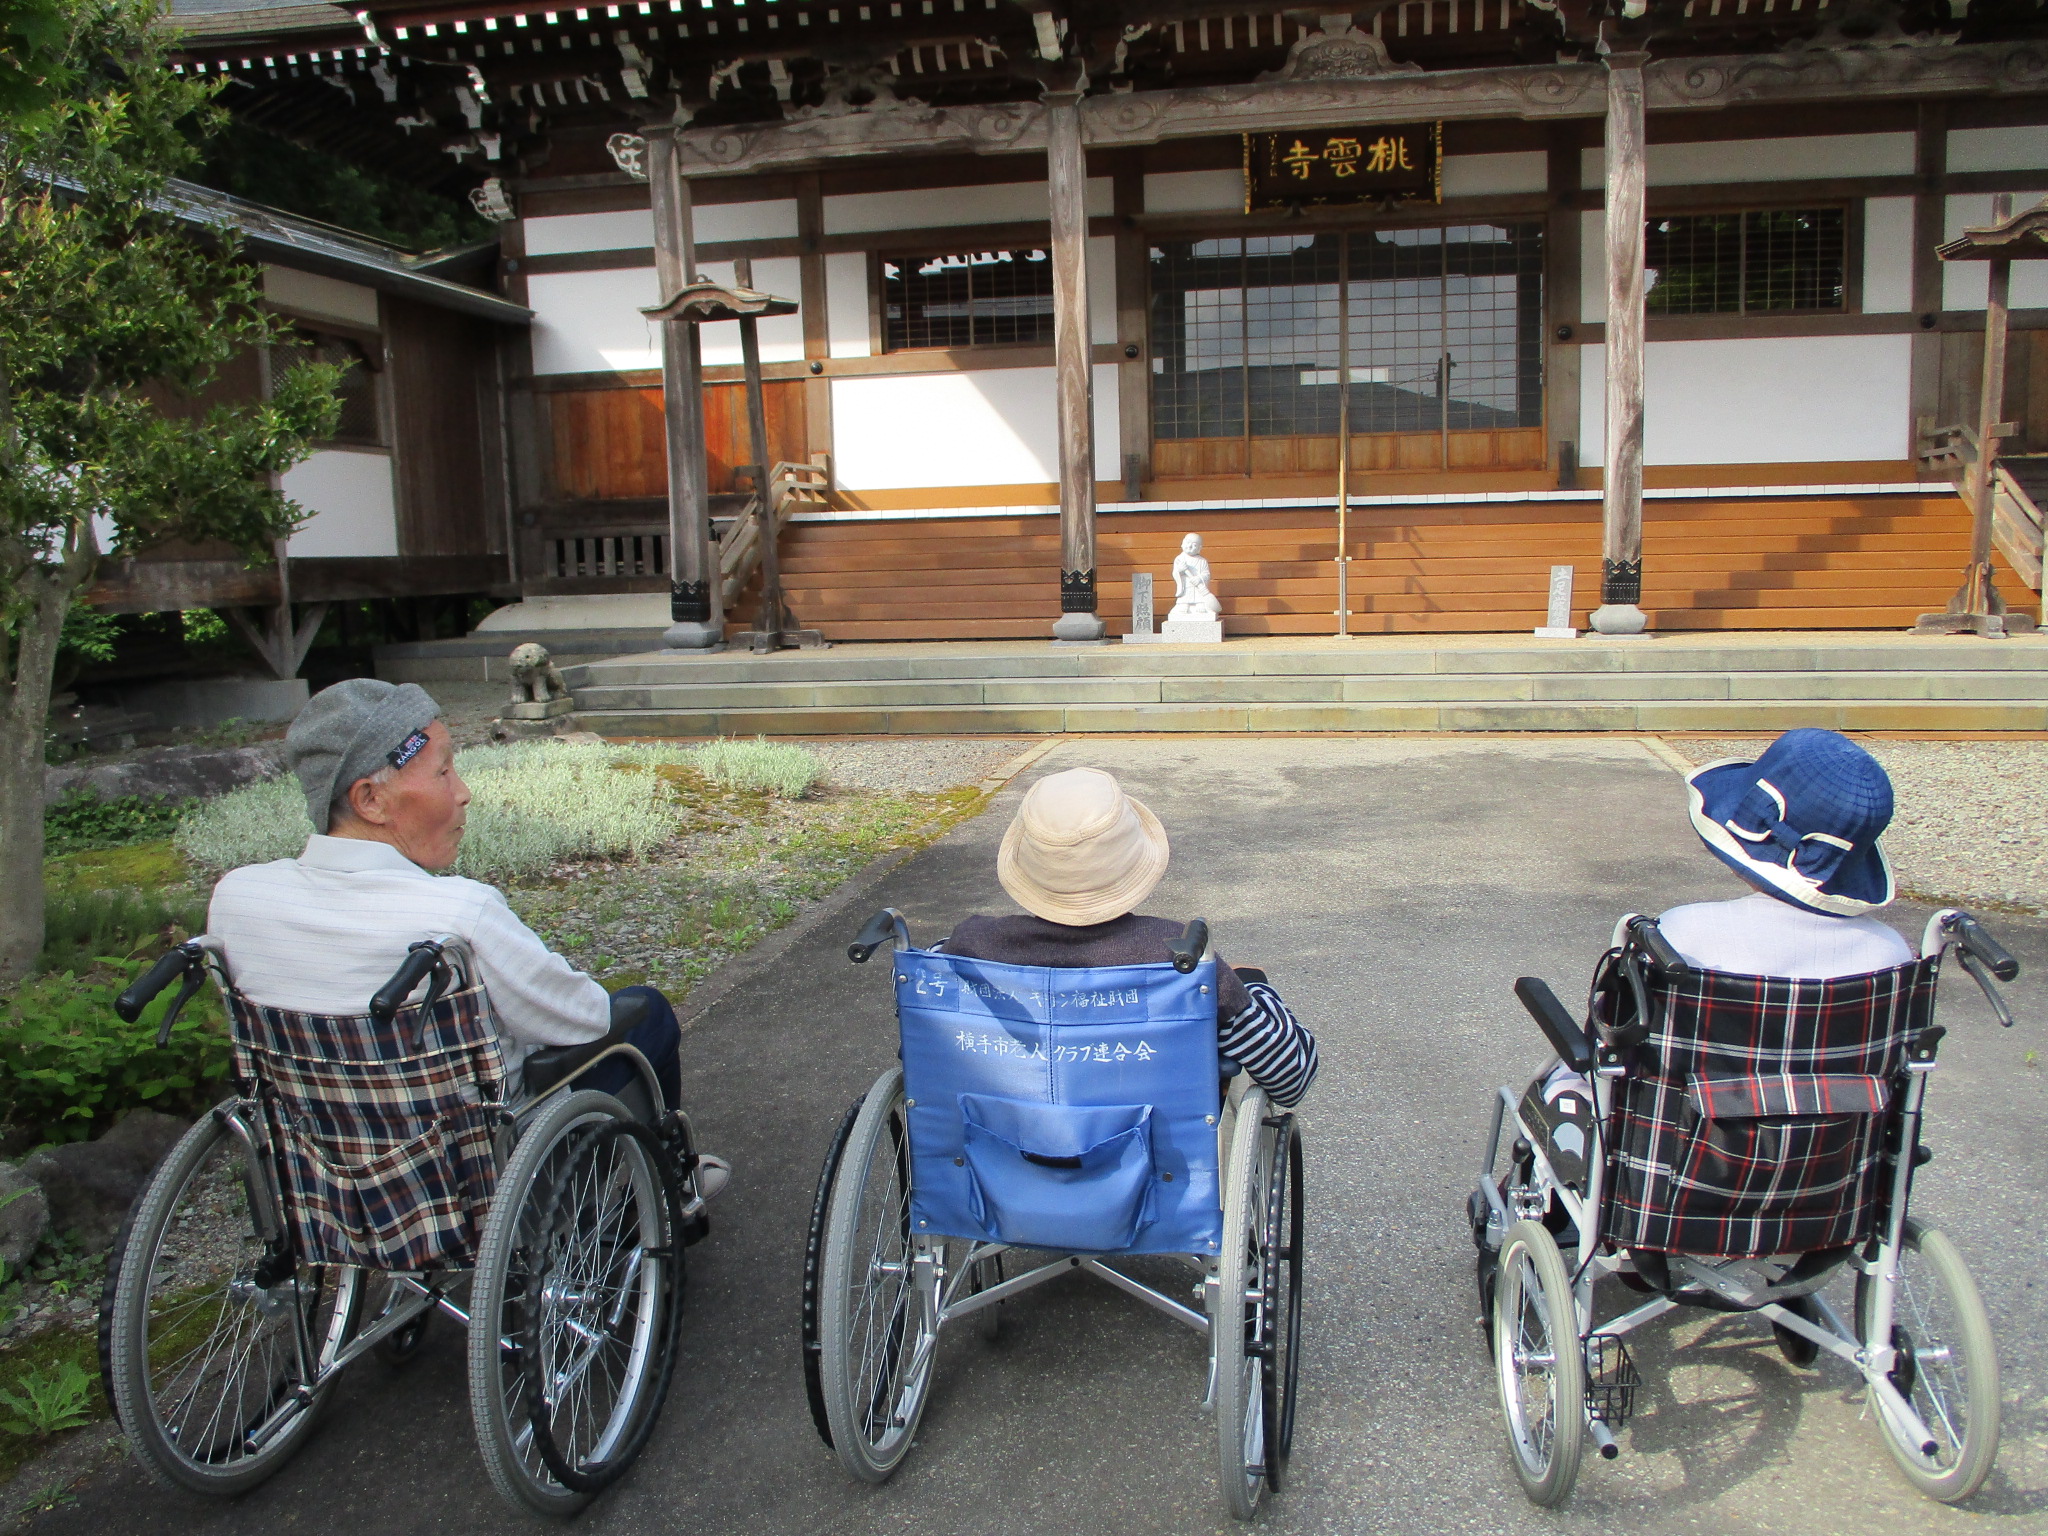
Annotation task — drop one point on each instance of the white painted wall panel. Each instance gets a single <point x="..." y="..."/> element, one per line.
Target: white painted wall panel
<point x="988" y="427"/>
<point x="846" y="304"/>
<point x="937" y="207"/>
<point x="1492" y="175"/>
<point x="782" y="336"/>
<point x="587" y="322"/>
<point x="775" y="220"/>
<point x="1763" y="400"/>
<point x="1804" y="159"/>
<point x="349" y="494"/>
<point x="1887" y="255"/>
<point x="326" y="297"/>
<point x="1963" y="282"/>
<point x="1998" y="149"/>
<point x="626" y="229"/>
<point x="1195" y="192"/>
<point x="1593" y="268"/>
<point x="1102" y="288"/>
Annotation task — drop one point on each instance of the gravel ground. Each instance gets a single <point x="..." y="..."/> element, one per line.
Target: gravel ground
<point x="915" y="764"/>
<point x="1971" y="823"/>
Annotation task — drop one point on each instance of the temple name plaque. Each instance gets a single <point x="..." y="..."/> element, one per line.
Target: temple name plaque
<point x="1401" y="162"/>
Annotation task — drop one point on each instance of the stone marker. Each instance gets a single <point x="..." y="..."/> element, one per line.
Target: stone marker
<point x="1141" y="602"/>
<point x="1557" y="624"/>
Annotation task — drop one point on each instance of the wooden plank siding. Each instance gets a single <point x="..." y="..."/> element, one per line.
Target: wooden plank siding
<point x="1808" y="563"/>
<point x="608" y="443"/>
<point x="446" y="463"/>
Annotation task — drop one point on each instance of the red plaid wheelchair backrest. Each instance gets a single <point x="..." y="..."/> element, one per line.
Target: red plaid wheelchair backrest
<point x="382" y="1132"/>
<point x="1750" y="1122"/>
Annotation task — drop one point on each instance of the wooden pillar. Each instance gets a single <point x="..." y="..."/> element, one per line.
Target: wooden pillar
<point x="1563" y="305"/>
<point x="696" y="622"/>
<point x="1067" y="174"/>
<point x="1930" y="222"/>
<point x="1621" y="565"/>
<point x="1133" y="328"/>
<point x="810" y="230"/>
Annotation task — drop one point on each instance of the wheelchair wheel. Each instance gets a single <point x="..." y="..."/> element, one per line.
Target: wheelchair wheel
<point x="1948" y="1367"/>
<point x="1536" y="1355"/>
<point x="1280" y="1310"/>
<point x="876" y="1331"/>
<point x="199" y="1324"/>
<point x="575" y="1305"/>
<point x="1246" y="1277"/>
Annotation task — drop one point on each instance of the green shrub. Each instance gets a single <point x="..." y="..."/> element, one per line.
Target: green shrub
<point x="778" y="767"/>
<point x="45" y="1403"/>
<point x="251" y="825"/>
<point x="82" y="925"/>
<point x="83" y="820"/>
<point x="535" y="803"/>
<point x="69" y="1066"/>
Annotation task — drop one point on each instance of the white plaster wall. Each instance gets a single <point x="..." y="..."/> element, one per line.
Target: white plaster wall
<point x="1195" y="192"/>
<point x="625" y="229"/>
<point x="354" y="510"/>
<point x="589" y="322"/>
<point x="1491" y="175"/>
<point x="987" y="427"/>
<point x="326" y="297"/>
<point x="1804" y="159"/>
<point x="937" y="207"/>
<point x="1762" y="400"/>
<point x="1963" y="282"/>
<point x="1102" y="288"/>
<point x="1592" y="268"/>
<point x="846" y="304"/>
<point x="782" y="336"/>
<point x="1887" y="255"/>
<point x="776" y="220"/>
<point x="1998" y="149"/>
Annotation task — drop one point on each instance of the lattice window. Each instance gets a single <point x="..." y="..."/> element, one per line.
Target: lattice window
<point x="966" y="299"/>
<point x="1756" y="261"/>
<point x="1444" y="324"/>
<point x="362" y="423"/>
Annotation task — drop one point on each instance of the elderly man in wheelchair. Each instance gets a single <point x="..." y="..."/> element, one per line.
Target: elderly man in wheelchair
<point x="1737" y="1123"/>
<point x="488" y="1136"/>
<point x="1067" y="1086"/>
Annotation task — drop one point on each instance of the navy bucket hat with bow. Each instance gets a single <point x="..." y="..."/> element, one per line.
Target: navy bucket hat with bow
<point x="1801" y="823"/>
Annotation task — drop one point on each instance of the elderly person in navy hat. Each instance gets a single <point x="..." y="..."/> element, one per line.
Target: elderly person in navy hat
<point x="1801" y="825"/>
<point x="320" y="933"/>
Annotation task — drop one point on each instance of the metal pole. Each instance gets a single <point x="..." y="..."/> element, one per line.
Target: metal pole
<point x="769" y="625"/>
<point x="697" y="622"/>
<point x="1343" y="442"/>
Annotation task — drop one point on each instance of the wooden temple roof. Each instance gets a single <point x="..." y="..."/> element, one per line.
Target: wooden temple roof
<point x="450" y="94"/>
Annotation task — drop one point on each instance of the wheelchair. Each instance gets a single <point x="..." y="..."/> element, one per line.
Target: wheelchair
<point x="366" y="1175"/>
<point x="1747" y="1140"/>
<point x="1073" y="1113"/>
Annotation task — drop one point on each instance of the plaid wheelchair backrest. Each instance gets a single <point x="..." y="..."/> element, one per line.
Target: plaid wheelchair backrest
<point x="382" y="1132"/>
<point x="1751" y="1120"/>
<point x="1070" y="1109"/>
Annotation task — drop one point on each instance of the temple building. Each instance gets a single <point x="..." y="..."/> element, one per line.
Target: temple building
<point x="1411" y="302"/>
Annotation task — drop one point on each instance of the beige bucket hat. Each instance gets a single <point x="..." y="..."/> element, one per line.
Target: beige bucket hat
<point x="1080" y="850"/>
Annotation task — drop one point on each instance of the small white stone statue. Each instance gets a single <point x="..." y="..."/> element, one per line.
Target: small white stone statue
<point x="1196" y="615"/>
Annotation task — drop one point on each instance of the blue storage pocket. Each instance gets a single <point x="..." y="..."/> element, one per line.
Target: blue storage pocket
<point x="1066" y="1176"/>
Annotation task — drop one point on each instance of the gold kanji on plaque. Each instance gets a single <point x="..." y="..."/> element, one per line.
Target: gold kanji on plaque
<point x="1349" y="165"/>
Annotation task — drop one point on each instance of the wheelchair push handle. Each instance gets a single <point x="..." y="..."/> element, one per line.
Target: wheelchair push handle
<point x="422" y="960"/>
<point x="879" y="929"/>
<point x="1977" y="944"/>
<point x="1190" y="947"/>
<point x="1566" y="1036"/>
<point x="1650" y="937"/>
<point x="188" y="961"/>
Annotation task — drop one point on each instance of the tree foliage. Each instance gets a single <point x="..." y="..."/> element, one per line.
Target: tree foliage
<point x="114" y="315"/>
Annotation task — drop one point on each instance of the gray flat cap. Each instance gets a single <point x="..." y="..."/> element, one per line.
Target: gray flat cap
<point x="349" y="731"/>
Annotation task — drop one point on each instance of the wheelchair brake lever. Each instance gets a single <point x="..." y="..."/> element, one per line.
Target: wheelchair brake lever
<point x="1981" y="974"/>
<point x="420" y="958"/>
<point x="1645" y="932"/>
<point x="195" y="978"/>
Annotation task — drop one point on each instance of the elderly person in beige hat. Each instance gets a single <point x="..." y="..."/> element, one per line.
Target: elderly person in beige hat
<point x="1079" y="858"/>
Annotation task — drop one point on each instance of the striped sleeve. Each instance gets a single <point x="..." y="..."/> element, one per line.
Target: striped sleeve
<point x="1272" y="1045"/>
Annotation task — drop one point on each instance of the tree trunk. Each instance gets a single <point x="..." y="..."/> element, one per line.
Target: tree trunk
<point x="24" y="715"/>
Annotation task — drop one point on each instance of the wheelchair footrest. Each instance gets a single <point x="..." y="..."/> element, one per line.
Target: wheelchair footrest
<point x="1611" y="1380"/>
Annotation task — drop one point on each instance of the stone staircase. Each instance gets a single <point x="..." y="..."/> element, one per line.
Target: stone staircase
<point x="1866" y="681"/>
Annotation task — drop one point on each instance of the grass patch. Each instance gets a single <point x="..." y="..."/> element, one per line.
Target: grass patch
<point x="49" y="1357"/>
<point x="779" y="767"/>
<point x="83" y="820"/>
<point x="150" y="865"/>
<point x="88" y="925"/>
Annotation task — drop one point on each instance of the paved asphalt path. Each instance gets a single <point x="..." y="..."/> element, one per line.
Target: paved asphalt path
<point x="1394" y="889"/>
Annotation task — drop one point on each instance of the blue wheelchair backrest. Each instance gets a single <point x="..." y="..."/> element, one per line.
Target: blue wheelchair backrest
<point x="1070" y="1109"/>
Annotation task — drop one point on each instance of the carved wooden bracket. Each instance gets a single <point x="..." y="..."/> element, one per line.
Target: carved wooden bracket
<point x="629" y="154"/>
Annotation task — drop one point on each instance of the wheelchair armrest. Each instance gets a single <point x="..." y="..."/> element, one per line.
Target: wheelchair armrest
<point x="1566" y="1036"/>
<point x="553" y="1064"/>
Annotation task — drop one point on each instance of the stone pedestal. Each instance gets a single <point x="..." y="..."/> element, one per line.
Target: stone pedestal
<point x="550" y="717"/>
<point x="1078" y="629"/>
<point x="1182" y="632"/>
<point x="1619" y="619"/>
